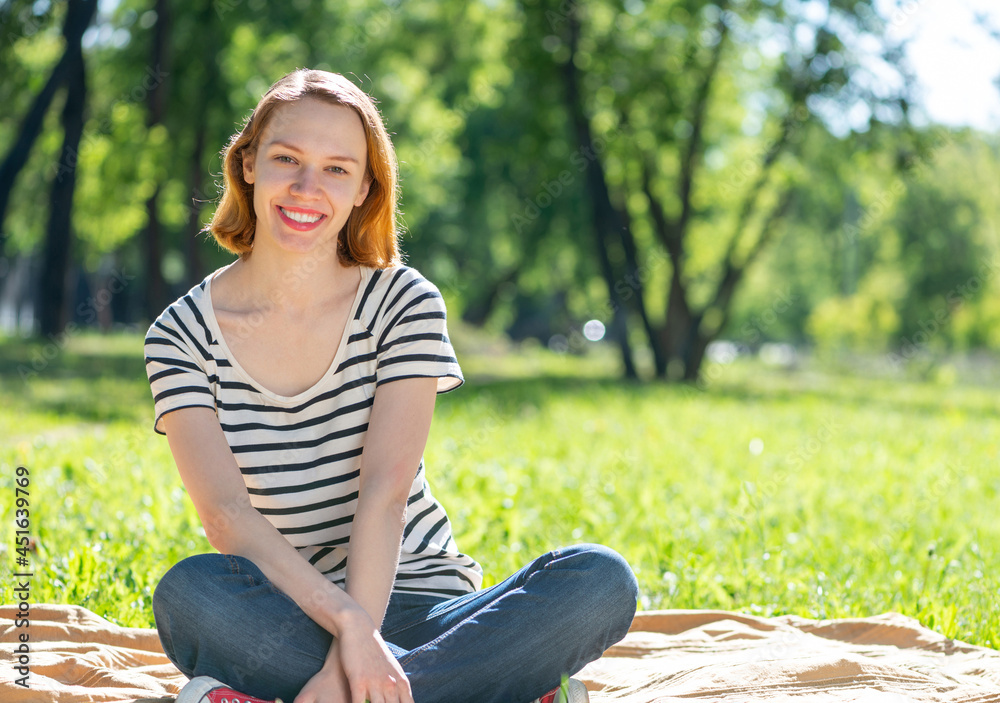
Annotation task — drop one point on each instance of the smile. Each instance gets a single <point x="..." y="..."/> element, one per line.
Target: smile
<point x="301" y="221"/>
<point x="301" y="217"/>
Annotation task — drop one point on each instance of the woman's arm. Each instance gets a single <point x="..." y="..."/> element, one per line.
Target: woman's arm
<point x="397" y="434"/>
<point x="213" y="480"/>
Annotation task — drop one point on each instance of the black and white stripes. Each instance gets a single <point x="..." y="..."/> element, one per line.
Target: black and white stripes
<point x="300" y="455"/>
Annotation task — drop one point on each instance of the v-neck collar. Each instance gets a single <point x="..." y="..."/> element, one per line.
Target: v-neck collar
<point x="317" y="387"/>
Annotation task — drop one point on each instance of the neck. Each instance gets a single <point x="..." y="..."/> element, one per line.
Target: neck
<point x="291" y="282"/>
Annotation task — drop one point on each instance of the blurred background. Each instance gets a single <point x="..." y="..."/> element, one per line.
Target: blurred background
<point x="680" y="181"/>
<point x="793" y="206"/>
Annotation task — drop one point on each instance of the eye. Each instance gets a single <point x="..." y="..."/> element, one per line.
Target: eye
<point x="281" y="159"/>
<point x="336" y="169"/>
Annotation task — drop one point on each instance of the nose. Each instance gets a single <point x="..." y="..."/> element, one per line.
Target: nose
<point x="306" y="182"/>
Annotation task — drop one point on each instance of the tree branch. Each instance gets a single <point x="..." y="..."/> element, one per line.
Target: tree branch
<point x="750" y="202"/>
<point x="734" y="272"/>
<point x="661" y="225"/>
<point x="694" y="144"/>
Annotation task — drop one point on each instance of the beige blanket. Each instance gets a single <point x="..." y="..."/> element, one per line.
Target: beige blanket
<point x="670" y="655"/>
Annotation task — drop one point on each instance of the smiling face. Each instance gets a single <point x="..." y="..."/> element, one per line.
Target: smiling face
<point x="308" y="174"/>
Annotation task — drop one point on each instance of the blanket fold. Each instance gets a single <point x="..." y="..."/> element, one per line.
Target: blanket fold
<point x="77" y="656"/>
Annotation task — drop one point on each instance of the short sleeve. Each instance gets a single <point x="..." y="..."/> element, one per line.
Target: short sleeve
<point x="413" y="339"/>
<point x="175" y="368"/>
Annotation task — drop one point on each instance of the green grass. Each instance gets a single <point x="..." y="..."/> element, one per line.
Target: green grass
<point x="868" y="494"/>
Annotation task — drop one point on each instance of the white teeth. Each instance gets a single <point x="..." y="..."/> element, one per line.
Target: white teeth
<point x="300" y="216"/>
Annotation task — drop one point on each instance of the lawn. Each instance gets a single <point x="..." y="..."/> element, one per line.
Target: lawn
<point x="768" y="492"/>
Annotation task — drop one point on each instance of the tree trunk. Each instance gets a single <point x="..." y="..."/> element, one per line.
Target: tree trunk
<point x="696" y="354"/>
<point x="682" y="329"/>
<point x="78" y="17"/>
<point x="478" y="311"/>
<point x="634" y="278"/>
<point x="675" y="331"/>
<point x="58" y="239"/>
<point x="619" y="320"/>
<point x="607" y="222"/>
<point x="156" y="288"/>
<point x="17" y="157"/>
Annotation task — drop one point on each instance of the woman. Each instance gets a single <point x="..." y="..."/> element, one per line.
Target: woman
<point x="338" y="579"/>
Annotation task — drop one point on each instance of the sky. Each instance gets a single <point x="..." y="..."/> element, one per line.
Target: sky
<point x="957" y="63"/>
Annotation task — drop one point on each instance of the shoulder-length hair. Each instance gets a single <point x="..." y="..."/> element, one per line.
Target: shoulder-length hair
<point x="370" y="235"/>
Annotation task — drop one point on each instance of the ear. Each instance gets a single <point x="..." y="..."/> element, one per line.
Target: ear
<point x="248" y="160"/>
<point x="363" y="193"/>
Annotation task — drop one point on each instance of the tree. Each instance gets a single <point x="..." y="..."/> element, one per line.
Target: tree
<point x="58" y="240"/>
<point x="156" y="105"/>
<point x="75" y="23"/>
<point x="686" y="91"/>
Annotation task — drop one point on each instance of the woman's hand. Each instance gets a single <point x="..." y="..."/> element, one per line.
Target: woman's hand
<point x="360" y="668"/>
<point x="329" y="685"/>
<point x="372" y="671"/>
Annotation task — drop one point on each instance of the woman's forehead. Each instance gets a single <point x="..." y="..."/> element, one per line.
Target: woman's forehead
<point x="310" y="124"/>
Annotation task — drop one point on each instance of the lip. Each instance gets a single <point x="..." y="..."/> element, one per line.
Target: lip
<point x="300" y="226"/>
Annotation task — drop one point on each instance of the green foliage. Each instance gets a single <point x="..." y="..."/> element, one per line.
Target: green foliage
<point x="887" y="222"/>
<point x="916" y="254"/>
<point x="763" y="492"/>
<point x="865" y="320"/>
<point x="977" y="326"/>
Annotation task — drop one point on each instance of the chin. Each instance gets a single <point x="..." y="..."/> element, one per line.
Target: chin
<point x="307" y="243"/>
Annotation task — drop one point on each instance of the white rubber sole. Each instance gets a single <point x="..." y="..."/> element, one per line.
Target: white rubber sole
<point x="196" y="689"/>
<point x="577" y="693"/>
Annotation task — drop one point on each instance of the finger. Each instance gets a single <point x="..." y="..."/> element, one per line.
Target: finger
<point x="389" y="690"/>
<point x="359" y="694"/>
<point x="397" y="689"/>
<point x="392" y="692"/>
<point x="405" y="694"/>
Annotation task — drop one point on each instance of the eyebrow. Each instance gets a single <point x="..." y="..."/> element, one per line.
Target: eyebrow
<point x="292" y="147"/>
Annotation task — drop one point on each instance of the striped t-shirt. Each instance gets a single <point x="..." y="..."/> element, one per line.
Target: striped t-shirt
<point x="300" y="455"/>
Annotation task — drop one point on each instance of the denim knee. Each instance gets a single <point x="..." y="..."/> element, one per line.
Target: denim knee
<point x="610" y="583"/>
<point x="172" y="602"/>
<point x="181" y="578"/>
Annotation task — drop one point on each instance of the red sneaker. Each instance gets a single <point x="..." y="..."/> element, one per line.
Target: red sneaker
<point x="205" y="689"/>
<point x="575" y="692"/>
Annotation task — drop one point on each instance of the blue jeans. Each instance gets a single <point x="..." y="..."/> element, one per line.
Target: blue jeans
<point x="218" y="615"/>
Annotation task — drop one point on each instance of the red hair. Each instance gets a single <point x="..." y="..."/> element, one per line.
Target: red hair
<point x="370" y="236"/>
